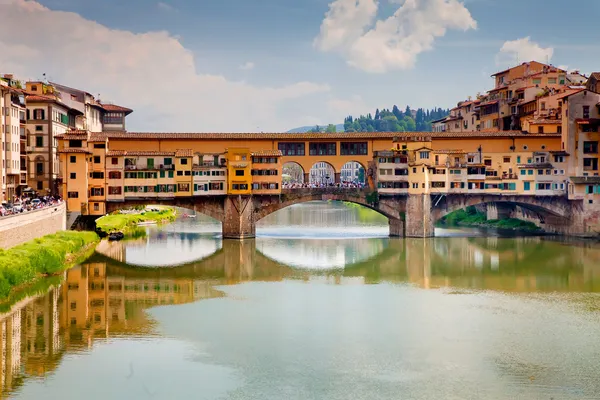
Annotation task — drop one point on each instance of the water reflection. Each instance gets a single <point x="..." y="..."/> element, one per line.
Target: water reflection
<point x="105" y="299"/>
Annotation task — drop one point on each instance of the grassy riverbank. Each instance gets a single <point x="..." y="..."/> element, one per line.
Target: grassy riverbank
<point x="126" y="223"/>
<point x="472" y="217"/>
<point x="46" y="256"/>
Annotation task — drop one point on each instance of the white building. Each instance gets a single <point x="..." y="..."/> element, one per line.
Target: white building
<point x="12" y="130"/>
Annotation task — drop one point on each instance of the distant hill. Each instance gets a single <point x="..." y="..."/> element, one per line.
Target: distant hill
<point x="304" y="129"/>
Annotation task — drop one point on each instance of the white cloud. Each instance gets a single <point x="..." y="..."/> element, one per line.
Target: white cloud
<point x="152" y="72"/>
<point x="392" y="43"/>
<point x="247" y="66"/>
<point x="165" y="6"/>
<point x="522" y="50"/>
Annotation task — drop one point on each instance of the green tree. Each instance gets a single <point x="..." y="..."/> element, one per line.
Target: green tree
<point x="331" y="129"/>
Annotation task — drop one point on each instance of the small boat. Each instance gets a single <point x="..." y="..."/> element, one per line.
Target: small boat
<point x="116" y="236"/>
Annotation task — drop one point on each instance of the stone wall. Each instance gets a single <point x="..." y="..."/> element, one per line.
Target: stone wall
<point x="18" y="229"/>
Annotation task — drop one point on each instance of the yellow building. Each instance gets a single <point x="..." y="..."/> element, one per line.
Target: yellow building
<point x="266" y="172"/>
<point x="239" y="167"/>
<point x="183" y="173"/>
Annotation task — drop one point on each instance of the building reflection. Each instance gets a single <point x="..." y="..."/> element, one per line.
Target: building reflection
<point x="106" y="298"/>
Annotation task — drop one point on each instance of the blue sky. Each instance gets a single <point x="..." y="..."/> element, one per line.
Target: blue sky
<point x="268" y="65"/>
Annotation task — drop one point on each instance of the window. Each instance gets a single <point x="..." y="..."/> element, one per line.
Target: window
<point x="39" y="141"/>
<point x="97" y="175"/>
<point x="96" y="207"/>
<point x="590" y="147"/>
<point x="424" y="154"/>
<point x="586" y="111"/>
<point x="168" y="161"/>
<point x="39" y="114"/>
<point x="239" y="172"/>
<point x="322" y="149"/>
<point x="96" y="159"/>
<point x="540" y="129"/>
<point x="526" y="186"/>
<point x="183" y="161"/>
<point x="353" y="148"/>
<point x="523" y="172"/>
<point x="518" y="159"/>
<point x="487" y="162"/>
<point x="99" y="145"/>
<point x="544" y="186"/>
<point x="291" y="149"/>
<point x="590" y="164"/>
<point x="537" y="81"/>
<point x="170" y="174"/>
<point x="559" y="159"/>
<point x="73" y="195"/>
<point x="529" y="172"/>
<point x="73" y="175"/>
<point x="179" y="173"/>
<point x="559" y="129"/>
<point x="551" y="81"/>
<point x="39" y="168"/>
<point x="75" y="143"/>
<point x="543" y="105"/>
<point x="114" y="190"/>
<point x="150" y="163"/>
<point x="97" y="192"/>
<point x="113" y="118"/>
<point x="239" y="186"/>
<point x="39" y="128"/>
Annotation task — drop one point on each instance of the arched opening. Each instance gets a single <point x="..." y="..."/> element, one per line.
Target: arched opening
<point x="322" y="174"/>
<point x="292" y="174"/>
<point x="353" y="172"/>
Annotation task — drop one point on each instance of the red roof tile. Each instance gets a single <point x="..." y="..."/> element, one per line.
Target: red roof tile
<point x="305" y="136"/>
<point x="271" y="153"/>
<point x="74" y="150"/>
<point x="183" y="153"/>
<point x="115" y="108"/>
<point x="116" y="153"/>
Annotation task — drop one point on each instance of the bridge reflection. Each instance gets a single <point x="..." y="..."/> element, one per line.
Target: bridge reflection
<point x="105" y="298"/>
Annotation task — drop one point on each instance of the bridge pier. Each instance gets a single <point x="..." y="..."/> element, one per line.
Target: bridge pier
<point x="419" y="219"/>
<point x="396" y="227"/>
<point x="495" y="211"/>
<point x="238" y="220"/>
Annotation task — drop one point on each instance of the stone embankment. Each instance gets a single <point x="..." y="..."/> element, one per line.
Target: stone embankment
<point x="22" y="228"/>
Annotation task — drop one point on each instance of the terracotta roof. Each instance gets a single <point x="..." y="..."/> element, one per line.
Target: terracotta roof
<point x="149" y="153"/>
<point x="570" y="93"/>
<point x="77" y="132"/>
<point x="304" y="136"/>
<point x="115" y="108"/>
<point x="595" y="75"/>
<point x="585" y="179"/>
<point x="97" y="137"/>
<point x="115" y="153"/>
<point x="74" y="150"/>
<point x="183" y="153"/>
<point x="449" y="151"/>
<point x="68" y="136"/>
<point x="38" y="98"/>
<point x="272" y="153"/>
<point x="542" y="121"/>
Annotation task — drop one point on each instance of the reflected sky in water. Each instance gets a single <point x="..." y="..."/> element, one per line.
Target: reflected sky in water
<point x="463" y="316"/>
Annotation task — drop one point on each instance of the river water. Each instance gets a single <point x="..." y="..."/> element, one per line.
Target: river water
<point x="322" y="305"/>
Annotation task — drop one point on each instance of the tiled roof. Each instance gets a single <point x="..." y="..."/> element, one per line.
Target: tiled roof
<point x="74" y="150"/>
<point x="585" y="179"/>
<point x="115" y="153"/>
<point x="304" y="136"/>
<point x="595" y="75"/>
<point x="271" y="153"/>
<point x="183" y="153"/>
<point x="97" y="137"/>
<point x="115" y="108"/>
<point x="77" y="132"/>
<point x="69" y="136"/>
<point x="149" y="153"/>
<point x="35" y="97"/>
<point x="542" y="121"/>
<point x="449" y="151"/>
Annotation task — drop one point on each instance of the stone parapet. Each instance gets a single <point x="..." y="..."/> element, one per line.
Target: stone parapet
<point x="21" y="228"/>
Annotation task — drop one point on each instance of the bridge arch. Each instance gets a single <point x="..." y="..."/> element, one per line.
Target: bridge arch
<point x="293" y="172"/>
<point x="322" y="172"/>
<point x="353" y="171"/>
<point x="552" y="212"/>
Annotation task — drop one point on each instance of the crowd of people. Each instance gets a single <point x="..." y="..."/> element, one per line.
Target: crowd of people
<point x="21" y="204"/>
<point x="320" y="185"/>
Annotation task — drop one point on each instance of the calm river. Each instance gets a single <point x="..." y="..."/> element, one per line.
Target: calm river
<point x="322" y="305"/>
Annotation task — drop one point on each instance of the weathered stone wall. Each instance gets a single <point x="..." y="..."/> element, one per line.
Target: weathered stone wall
<point x="419" y="219"/>
<point x="18" y="229"/>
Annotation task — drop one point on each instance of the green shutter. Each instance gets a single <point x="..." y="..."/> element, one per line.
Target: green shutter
<point x="170" y="174"/>
<point x="168" y="161"/>
<point x="526" y="186"/>
<point x="162" y="174"/>
<point x="150" y="163"/>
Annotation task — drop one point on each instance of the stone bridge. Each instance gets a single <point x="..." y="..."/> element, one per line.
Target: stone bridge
<point x="411" y="215"/>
